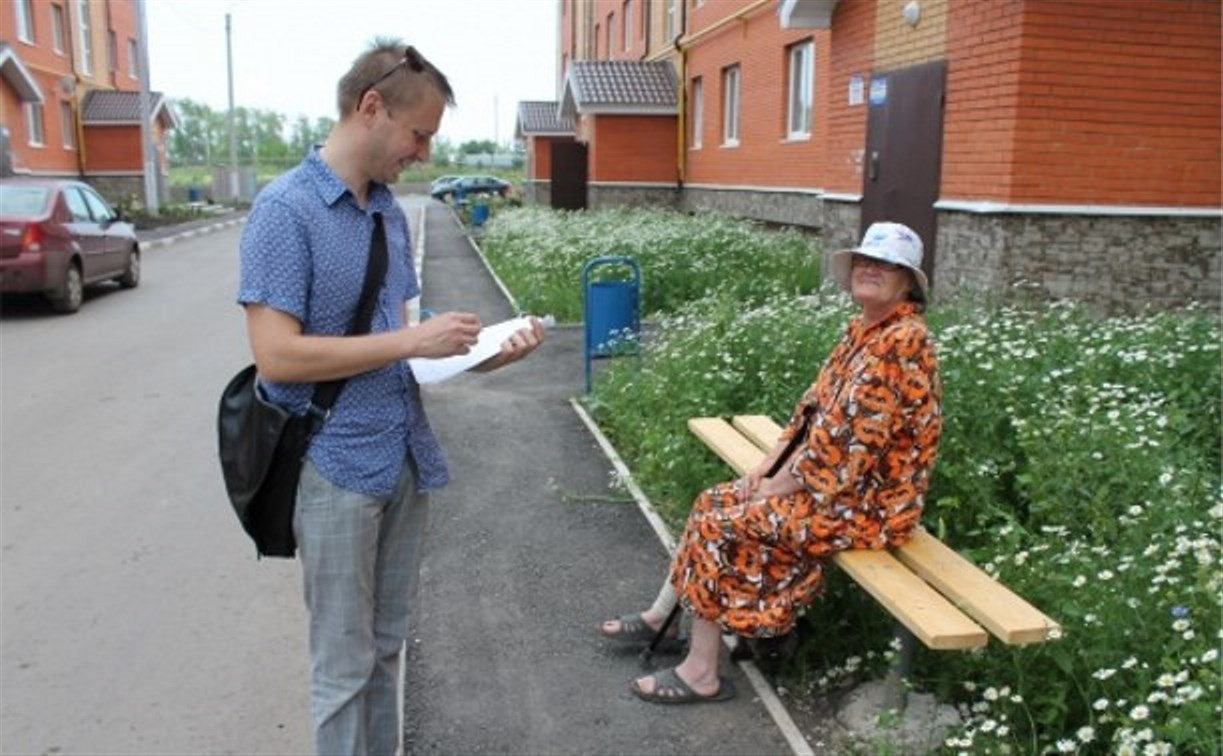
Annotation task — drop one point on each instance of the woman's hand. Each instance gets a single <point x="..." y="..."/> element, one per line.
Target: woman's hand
<point x="756" y="486"/>
<point x="749" y="484"/>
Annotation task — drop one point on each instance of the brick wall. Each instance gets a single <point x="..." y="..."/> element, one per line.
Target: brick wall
<point x="1119" y="103"/>
<point x="113" y="148"/>
<point x="764" y="156"/>
<point x="851" y="50"/>
<point x="897" y="44"/>
<point x="631" y="148"/>
<point x="983" y="50"/>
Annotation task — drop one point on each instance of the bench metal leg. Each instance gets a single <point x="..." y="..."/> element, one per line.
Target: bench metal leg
<point x="897" y="680"/>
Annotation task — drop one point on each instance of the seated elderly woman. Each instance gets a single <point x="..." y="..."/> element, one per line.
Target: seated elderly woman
<point x="852" y="468"/>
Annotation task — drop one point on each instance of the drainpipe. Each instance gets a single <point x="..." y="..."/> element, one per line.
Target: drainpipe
<point x="78" y="119"/>
<point x="681" y="141"/>
<point x="645" y="37"/>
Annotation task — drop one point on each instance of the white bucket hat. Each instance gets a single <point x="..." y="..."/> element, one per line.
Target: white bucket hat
<point x="890" y="242"/>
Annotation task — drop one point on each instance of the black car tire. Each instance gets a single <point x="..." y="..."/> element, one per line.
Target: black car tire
<point x="72" y="294"/>
<point x="131" y="272"/>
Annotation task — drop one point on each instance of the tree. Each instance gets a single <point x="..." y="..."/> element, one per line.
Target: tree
<point x="478" y="147"/>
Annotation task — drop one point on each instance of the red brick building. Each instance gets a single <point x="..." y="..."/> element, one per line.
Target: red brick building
<point x="69" y="92"/>
<point x="1071" y="145"/>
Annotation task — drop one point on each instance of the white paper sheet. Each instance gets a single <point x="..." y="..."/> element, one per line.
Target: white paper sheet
<point x="488" y="344"/>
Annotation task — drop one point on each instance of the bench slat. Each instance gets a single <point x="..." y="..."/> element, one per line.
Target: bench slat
<point x="929" y="616"/>
<point x="1013" y="620"/>
<point x="732" y="447"/>
<point x="933" y="619"/>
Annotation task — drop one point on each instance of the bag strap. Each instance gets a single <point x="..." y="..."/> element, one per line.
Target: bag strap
<point x="799" y="436"/>
<point x="325" y="394"/>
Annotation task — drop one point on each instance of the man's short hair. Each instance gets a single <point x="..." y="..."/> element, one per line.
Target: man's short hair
<point x="397" y="72"/>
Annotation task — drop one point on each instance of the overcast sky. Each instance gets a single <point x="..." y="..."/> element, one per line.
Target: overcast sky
<point x="289" y="54"/>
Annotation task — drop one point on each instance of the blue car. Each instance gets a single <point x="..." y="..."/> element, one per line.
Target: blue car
<point x="466" y="186"/>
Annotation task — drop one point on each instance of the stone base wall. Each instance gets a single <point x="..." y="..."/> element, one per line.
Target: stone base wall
<point x="537" y="192"/>
<point x="801" y="209"/>
<point x="118" y="190"/>
<point x="841" y="221"/>
<point x="606" y="196"/>
<point x="1113" y="264"/>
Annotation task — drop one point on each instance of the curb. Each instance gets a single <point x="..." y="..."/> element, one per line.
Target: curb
<point x="505" y="292"/>
<point x="166" y="241"/>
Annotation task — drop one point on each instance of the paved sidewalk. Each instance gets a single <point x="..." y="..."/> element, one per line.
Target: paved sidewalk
<point x="153" y="238"/>
<point x="529" y="549"/>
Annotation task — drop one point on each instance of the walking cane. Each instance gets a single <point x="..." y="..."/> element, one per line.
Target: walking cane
<point x="647" y="654"/>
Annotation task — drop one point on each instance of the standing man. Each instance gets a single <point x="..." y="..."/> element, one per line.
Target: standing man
<point x="362" y="500"/>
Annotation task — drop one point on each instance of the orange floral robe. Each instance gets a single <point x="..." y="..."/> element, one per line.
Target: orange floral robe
<point x="876" y="414"/>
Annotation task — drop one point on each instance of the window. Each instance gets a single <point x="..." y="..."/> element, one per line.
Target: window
<point x="57" y="28"/>
<point x="25" y="20"/>
<point x="698" y="112"/>
<point x="598" y="31"/>
<point x="730" y="106"/>
<point x="76" y="205"/>
<point x="86" y="37"/>
<point x="97" y="206"/>
<point x="66" y="126"/>
<point x="626" y="19"/>
<point x="33" y="124"/>
<point x="802" y="83"/>
<point x="672" y="21"/>
<point x="611" y="27"/>
<point x="133" y="61"/>
<point x="112" y="51"/>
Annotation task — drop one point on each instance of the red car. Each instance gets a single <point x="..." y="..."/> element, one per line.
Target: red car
<point x="57" y="236"/>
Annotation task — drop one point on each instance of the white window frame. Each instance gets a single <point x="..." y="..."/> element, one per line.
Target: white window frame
<point x="800" y="103"/>
<point x="133" y="59"/>
<point x="67" y="125"/>
<point x="698" y="111"/>
<point x="731" y="85"/>
<point x="626" y="18"/>
<point x="672" y="20"/>
<point x="24" y="11"/>
<point x="84" y="30"/>
<point x="59" y="26"/>
<point x="35" y="133"/>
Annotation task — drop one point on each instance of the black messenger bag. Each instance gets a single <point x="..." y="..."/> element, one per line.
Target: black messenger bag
<point x="262" y="445"/>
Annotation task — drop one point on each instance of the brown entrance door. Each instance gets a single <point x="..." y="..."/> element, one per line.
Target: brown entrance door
<point x="568" y="175"/>
<point x="904" y="151"/>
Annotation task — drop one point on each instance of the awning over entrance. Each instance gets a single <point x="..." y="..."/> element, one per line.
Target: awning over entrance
<point x="806" y="14"/>
<point x="18" y="76"/>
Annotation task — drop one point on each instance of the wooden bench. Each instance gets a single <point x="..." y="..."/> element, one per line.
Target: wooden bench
<point x="940" y="597"/>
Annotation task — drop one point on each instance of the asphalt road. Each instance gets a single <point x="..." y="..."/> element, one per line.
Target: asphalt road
<point x="136" y="619"/>
<point x="135" y="616"/>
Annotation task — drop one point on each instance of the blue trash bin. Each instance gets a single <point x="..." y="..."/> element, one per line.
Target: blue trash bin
<point x="193" y="194"/>
<point x="479" y="213"/>
<point x="611" y="310"/>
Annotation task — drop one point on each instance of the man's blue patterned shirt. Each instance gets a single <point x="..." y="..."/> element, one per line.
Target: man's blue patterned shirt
<point x="303" y="252"/>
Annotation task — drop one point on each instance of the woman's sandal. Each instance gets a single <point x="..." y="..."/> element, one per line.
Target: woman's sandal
<point x="635" y="630"/>
<point x="670" y="689"/>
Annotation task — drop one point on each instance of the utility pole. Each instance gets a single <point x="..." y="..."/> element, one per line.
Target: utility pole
<point x="233" y="130"/>
<point x="152" y="167"/>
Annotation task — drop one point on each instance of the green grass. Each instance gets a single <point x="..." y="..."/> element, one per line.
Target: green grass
<point x="540" y="254"/>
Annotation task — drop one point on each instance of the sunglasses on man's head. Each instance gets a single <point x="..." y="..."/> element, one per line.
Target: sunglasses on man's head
<point x="411" y="59"/>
